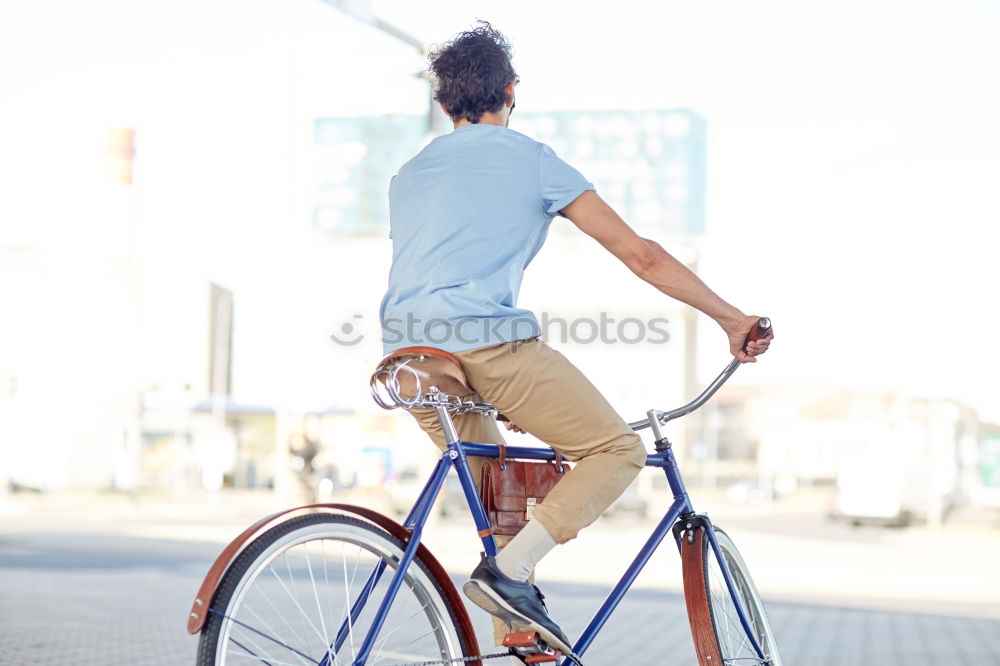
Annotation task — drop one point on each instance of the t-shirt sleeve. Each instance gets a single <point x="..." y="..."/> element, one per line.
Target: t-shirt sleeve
<point x="560" y="183"/>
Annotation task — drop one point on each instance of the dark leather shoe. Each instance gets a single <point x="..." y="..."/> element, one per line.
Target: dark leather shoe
<point x="518" y="603"/>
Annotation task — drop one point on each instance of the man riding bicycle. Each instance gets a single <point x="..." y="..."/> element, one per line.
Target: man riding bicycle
<point x="467" y="215"/>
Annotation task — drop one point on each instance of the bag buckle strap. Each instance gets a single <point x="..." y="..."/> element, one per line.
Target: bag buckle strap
<point x="503" y="459"/>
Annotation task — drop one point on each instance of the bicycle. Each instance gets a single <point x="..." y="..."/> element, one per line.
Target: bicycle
<point x="309" y="585"/>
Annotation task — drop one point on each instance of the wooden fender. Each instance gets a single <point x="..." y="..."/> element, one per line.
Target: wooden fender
<point x="699" y="614"/>
<point x="199" y="609"/>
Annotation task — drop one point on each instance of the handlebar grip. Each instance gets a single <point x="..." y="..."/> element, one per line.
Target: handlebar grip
<point x="759" y="331"/>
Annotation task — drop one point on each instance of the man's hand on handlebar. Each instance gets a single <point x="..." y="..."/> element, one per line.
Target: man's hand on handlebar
<point x="747" y="341"/>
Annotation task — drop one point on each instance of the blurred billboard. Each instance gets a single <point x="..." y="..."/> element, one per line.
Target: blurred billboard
<point x="649" y="165"/>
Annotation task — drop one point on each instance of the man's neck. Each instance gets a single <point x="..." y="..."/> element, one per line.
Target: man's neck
<point x="487" y="118"/>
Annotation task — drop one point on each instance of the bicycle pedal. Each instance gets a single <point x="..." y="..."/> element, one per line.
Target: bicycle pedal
<point x="528" y="642"/>
<point x="529" y="647"/>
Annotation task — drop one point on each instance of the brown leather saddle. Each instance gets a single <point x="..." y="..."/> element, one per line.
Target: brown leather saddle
<point x="429" y="366"/>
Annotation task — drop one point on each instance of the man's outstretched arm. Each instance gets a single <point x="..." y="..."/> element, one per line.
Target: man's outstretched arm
<point x="648" y="260"/>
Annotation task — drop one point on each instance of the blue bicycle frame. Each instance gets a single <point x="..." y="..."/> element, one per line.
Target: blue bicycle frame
<point x="456" y="455"/>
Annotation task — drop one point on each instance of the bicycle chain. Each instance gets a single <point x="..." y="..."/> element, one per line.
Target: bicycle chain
<point x="458" y="660"/>
<point x="464" y="660"/>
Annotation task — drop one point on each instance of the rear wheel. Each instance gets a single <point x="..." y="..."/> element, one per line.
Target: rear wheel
<point x="287" y="596"/>
<point x="719" y="635"/>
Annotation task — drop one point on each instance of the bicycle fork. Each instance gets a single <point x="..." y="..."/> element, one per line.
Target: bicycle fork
<point x="691" y="520"/>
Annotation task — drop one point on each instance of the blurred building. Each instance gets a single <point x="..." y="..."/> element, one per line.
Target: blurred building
<point x="650" y="165"/>
<point x="985" y="450"/>
<point x="354" y="159"/>
<point x="888" y="458"/>
<point x="193" y="247"/>
<point x="167" y="302"/>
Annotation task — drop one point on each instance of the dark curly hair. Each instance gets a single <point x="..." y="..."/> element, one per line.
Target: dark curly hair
<point x="471" y="72"/>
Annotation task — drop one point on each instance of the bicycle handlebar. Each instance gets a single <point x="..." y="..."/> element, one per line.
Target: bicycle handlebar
<point x="762" y="328"/>
<point x="759" y="331"/>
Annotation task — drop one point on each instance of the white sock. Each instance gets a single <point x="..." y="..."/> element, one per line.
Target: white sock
<point x="518" y="558"/>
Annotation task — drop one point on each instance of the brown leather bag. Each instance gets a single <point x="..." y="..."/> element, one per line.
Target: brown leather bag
<point x="511" y="488"/>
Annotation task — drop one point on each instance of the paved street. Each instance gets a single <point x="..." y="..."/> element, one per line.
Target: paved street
<point x="94" y="594"/>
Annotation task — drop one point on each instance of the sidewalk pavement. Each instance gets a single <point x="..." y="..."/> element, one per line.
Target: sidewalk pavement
<point x="794" y="554"/>
<point x="111" y="600"/>
<point x="116" y="576"/>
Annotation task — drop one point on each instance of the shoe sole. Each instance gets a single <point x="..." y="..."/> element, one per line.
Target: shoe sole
<point x="490" y="601"/>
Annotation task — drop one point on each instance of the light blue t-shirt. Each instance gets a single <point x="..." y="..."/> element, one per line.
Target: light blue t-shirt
<point x="468" y="214"/>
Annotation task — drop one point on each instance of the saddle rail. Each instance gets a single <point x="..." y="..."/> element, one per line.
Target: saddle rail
<point x="404" y="373"/>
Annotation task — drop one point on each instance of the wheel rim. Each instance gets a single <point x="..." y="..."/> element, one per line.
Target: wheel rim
<point x="734" y="645"/>
<point x="293" y="600"/>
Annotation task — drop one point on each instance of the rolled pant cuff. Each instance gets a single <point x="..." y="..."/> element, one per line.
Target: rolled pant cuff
<point x="559" y="531"/>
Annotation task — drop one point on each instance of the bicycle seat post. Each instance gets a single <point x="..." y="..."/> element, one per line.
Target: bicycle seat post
<point x="447" y="425"/>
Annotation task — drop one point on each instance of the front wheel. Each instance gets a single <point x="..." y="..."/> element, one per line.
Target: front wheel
<point x="288" y="597"/>
<point x="719" y="635"/>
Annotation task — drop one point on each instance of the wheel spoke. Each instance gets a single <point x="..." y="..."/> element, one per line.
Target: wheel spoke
<point x="319" y="607"/>
<point x="261" y="620"/>
<point x="260" y="633"/>
<point x="734" y="641"/>
<point x="283" y="573"/>
<point x="329" y="595"/>
<point x="291" y="595"/>
<point x="737" y="640"/>
<point x="401" y="647"/>
<point x="734" y="629"/>
<point x="347" y="607"/>
<point x="290" y="591"/>
<point x="384" y="640"/>
<point x="261" y="592"/>
<point x="249" y="654"/>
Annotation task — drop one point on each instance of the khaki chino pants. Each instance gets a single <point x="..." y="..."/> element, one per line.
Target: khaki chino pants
<point x="538" y="389"/>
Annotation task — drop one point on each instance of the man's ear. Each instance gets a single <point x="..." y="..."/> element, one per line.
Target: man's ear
<point x="508" y="93"/>
<point x="443" y="108"/>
